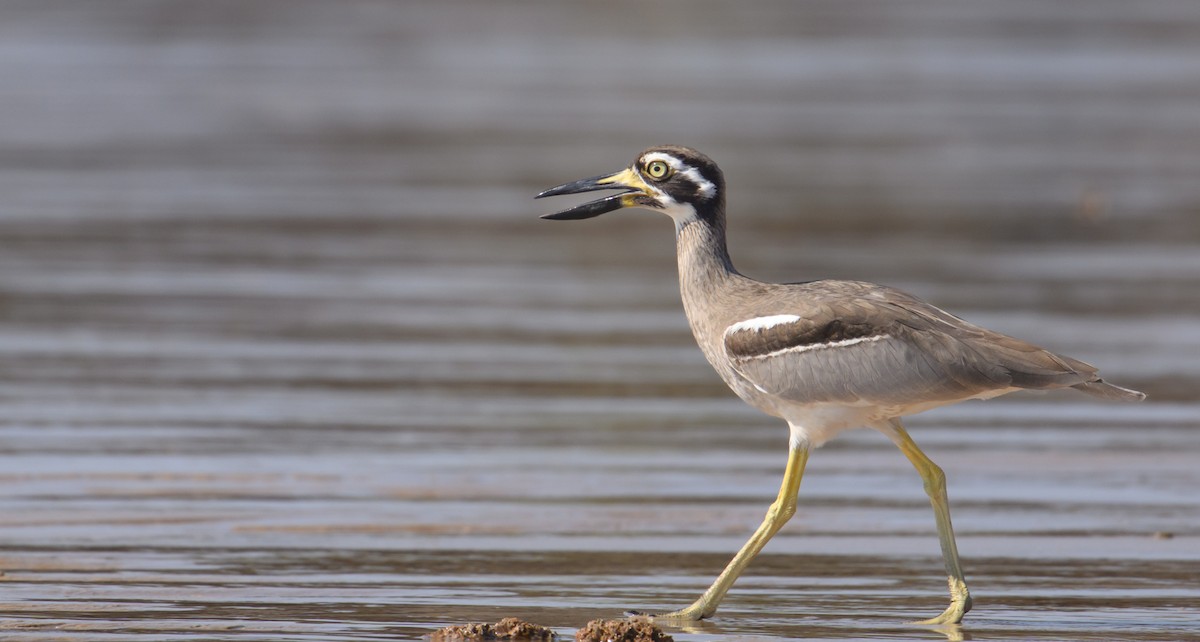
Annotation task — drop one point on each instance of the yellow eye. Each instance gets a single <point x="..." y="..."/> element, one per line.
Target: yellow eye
<point x="658" y="170"/>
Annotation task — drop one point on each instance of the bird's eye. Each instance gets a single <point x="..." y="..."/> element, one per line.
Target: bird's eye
<point x="658" y="170"/>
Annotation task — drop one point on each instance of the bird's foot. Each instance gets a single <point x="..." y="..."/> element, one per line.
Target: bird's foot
<point x="960" y="603"/>
<point x="693" y="613"/>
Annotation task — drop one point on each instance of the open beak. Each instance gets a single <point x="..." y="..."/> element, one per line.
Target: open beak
<point x="636" y="193"/>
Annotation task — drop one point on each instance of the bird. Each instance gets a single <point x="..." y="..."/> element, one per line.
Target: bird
<point x="825" y="356"/>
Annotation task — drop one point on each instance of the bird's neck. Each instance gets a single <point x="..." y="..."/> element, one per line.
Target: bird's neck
<point x="706" y="274"/>
<point x="702" y="252"/>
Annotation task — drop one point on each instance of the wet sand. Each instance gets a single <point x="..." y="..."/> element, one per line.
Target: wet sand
<point x="285" y="353"/>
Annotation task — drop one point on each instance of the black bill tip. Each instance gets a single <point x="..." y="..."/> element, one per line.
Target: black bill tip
<point x="588" y="210"/>
<point x="583" y="185"/>
<point x="597" y="207"/>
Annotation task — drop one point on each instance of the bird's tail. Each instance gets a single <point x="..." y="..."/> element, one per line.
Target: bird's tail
<point x="1105" y="390"/>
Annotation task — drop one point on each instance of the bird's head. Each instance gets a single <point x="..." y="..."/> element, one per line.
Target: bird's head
<point x="678" y="181"/>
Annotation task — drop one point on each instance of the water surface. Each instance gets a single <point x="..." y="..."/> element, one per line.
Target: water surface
<point x="285" y="353"/>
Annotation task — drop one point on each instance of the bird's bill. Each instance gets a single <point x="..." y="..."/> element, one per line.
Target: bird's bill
<point x="636" y="193"/>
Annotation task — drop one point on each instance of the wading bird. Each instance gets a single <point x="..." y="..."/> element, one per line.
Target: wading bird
<point x="824" y="356"/>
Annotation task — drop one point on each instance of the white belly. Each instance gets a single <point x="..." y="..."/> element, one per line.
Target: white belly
<point x="817" y="424"/>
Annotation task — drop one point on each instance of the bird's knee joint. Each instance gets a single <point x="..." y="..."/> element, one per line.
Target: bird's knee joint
<point x="935" y="480"/>
<point x="782" y="511"/>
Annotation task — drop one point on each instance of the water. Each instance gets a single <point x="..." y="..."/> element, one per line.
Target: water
<point x="285" y="352"/>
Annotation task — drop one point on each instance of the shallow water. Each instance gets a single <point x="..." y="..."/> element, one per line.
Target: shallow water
<point x="285" y="352"/>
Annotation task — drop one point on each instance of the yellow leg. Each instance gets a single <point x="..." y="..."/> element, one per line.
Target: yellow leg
<point x="779" y="513"/>
<point x="935" y="487"/>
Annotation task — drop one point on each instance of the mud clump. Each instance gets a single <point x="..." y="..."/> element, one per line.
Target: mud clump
<point x="510" y="628"/>
<point x="638" y="629"/>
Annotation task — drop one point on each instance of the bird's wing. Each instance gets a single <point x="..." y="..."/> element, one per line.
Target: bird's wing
<point x="855" y="343"/>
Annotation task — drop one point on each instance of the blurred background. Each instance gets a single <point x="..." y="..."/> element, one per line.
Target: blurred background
<point x="286" y="352"/>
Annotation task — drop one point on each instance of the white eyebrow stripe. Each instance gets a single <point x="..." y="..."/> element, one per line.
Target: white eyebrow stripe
<point x="664" y="157"/>
<point x="705" y="186"/>
<point x="761" y="323"/>
<point x="707" y="189"/>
